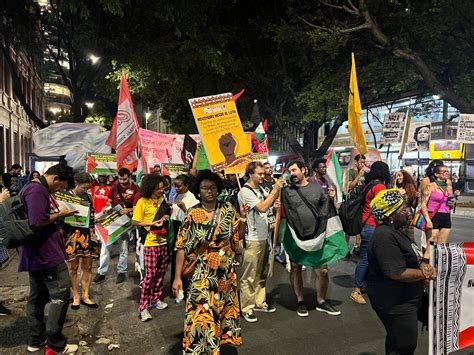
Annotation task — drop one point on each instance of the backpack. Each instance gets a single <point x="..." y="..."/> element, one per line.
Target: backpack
<point x="15" y="230"/>
<point x="350" y="211"/>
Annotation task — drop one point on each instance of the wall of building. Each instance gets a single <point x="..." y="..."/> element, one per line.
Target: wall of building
<point x="16" y="129"/>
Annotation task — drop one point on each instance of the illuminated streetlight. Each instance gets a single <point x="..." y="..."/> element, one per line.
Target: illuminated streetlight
<point x="147" y="117"/>
<point x="89" y="105"/>
<point x="94" y="59"/>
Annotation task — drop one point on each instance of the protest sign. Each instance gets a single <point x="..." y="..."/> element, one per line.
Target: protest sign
<point x="156" y="148"/>
<point x="419" y="136"/>
<point x="392" y="129"/>
<point x="465" y="129"/>
<point x="221" y="131"/>
<point x="74" y="203"/>
<point x="111" y="224"/>
<point x="101" y="164"/>
<point x="173" y="170"/>
<point x="446" y="150"/>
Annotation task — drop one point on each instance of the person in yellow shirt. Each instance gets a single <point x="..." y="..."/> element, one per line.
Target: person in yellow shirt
<point x="152" y="216"/>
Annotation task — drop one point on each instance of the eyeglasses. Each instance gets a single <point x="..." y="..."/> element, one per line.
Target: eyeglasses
<point x="208" y="188"/>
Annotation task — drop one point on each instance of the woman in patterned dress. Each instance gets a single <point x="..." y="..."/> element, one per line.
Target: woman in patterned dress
<point x="81" y="247"/>
<point x="212" y="309"/>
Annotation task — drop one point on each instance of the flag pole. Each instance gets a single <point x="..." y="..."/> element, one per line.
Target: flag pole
<point x="430" y="303"/>
<point x="275" y="239"/>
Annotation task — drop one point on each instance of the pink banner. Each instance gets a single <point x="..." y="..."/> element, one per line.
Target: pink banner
<point x="156" y="148"/>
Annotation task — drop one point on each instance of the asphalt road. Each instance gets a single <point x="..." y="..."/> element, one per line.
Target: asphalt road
<point x="356" y="331"/>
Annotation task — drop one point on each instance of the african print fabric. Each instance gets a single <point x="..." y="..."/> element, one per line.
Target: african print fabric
<point x="212" y="307"/>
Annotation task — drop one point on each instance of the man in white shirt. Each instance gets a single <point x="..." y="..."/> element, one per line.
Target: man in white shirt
<point x="260" y="222"/>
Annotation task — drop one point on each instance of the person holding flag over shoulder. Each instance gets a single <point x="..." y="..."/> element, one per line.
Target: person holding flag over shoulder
<point x="312" y="235"/>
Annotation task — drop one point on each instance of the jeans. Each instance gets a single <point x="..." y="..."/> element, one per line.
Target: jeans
<point x="402" y="332"/>
<point x="123" y="258"/>
<point x="363" y="264"/>
<point x="49" y="285"/>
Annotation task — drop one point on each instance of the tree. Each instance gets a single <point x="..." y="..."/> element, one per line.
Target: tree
<point x="433" y="37"/>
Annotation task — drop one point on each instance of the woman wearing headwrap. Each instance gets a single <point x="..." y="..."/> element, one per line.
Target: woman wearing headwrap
<point x="396" y="273"/>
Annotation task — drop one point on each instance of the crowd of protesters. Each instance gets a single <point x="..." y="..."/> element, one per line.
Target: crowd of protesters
<point x="199" y="222"/>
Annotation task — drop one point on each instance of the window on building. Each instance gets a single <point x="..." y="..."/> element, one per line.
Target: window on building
<point x="16" y="147"/>
<point x="8" y="150"/>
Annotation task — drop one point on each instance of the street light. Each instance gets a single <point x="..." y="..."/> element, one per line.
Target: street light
<point x="94" y="59"/>
<point x="147" y="117"/>
<point x="90" y="105"/>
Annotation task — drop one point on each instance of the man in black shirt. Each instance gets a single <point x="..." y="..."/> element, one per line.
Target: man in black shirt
<point x="306" y="207"/>
<point x="11" y="180"/>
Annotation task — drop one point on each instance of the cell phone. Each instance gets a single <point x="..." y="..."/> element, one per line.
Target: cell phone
<point x="287" y="177"/>
<point x="450" y="198"/>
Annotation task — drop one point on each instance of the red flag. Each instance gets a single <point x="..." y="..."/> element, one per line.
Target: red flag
<point x="123" y="136"/>
<point x="238" y="95"/>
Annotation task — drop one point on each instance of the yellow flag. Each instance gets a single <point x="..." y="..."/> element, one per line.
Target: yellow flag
<point x="354" y="112"/>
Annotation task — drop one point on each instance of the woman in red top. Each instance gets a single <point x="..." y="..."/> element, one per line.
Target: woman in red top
<point x="377" y="179"/>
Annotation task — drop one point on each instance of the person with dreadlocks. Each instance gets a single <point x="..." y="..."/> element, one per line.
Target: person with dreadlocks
<point x="396" y="272"/>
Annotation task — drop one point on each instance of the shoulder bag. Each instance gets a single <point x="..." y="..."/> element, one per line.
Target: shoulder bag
<point x="419" y="221"/>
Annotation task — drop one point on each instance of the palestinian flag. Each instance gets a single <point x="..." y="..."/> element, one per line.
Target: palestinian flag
<point x="328" y="246"/>
<point x="334" y="172"/>
<point x="452" y="298"/>
<point x="261" y="138"/>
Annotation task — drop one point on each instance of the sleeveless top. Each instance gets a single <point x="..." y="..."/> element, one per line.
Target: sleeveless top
<point x="435" y="198"/>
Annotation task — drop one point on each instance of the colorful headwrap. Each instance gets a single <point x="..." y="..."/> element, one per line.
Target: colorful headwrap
<point x="386" y="203"/>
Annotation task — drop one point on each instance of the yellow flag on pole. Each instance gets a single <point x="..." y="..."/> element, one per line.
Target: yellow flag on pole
<point x="354" y="112"/>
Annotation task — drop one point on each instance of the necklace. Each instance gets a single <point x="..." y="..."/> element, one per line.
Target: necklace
<point x="207" y="209"/>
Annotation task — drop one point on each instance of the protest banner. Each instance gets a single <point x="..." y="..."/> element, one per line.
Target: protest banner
<point x="465" y="129"/>
<point x="392" y="129"/>
<point x="173" y="170"/>
<point x="451" y="321"/>
<point x="419" y="136"/>
<point x="111" y="224"/>
<point x="101" y="164"/>
<point x="74" y="203"/>
<point x="221" y="131"/>
<point x="156" y="148"/>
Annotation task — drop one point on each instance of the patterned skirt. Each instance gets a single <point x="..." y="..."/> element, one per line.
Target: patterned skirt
<point x="80" y="243"/>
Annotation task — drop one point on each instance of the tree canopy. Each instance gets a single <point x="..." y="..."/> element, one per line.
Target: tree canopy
<point x="293" y="55"/>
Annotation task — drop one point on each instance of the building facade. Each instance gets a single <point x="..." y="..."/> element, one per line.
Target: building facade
<point x="16" y="128"/>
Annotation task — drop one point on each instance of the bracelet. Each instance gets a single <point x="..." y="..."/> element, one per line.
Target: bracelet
<point x="243" y="219"/>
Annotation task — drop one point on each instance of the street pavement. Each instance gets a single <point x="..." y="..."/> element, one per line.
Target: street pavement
<point x="116" y="323"/>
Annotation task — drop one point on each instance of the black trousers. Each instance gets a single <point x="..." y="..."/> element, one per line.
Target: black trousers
<point x="49" y="285"/>
<point x="402" y="332"/>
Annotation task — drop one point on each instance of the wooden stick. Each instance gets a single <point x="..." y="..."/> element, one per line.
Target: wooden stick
<point x="275" y="239"/>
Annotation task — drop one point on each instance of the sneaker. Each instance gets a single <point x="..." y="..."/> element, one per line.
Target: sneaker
<point x="4" y="311"/>
<point x="250" y="317"/>
<point x="356" y="250"/>
<point x="120" y="278"/>
<point x="326" y="307"/>
<point x="68" y="349"/>
<point x="145" y="315"/>
<point x="265" y="307"/>
<point x="160" y="305"/>
<point x="301" y="310"/>
<point x="34" y="348"/>
<point x="357" y="297"/>
<point x="99" y="278"/>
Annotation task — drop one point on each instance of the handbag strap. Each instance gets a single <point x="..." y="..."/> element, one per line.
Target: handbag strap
<point x="307" y="203"/>
<point x="211" y="231"/>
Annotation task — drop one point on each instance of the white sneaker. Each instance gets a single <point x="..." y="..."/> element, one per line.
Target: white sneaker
<point x="160" y="305"/>
<point x="145" y="315"/>
<point x="33" y="349"/>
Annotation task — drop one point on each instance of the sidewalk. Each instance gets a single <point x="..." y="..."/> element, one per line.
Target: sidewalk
<point x="97" y="331"/>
